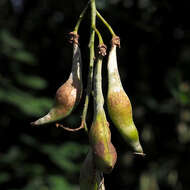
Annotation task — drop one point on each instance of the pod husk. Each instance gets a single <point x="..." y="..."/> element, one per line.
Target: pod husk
<point x="105" y="155"/>
<point x="90" y="177"/>
<point x="69" y="94"/>
<point x="120" y="112"/>
<point x="100" y="140"/>
<point x="119" y="105"/>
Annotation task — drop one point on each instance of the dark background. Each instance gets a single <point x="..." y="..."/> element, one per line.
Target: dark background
<point x="35" y="59"/>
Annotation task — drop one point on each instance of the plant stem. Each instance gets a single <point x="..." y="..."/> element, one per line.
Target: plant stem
<point x="80" y="18"/>
<point x="99" y="36"/>
<point x="91" y="64"/>
<point x="106" y="23"/>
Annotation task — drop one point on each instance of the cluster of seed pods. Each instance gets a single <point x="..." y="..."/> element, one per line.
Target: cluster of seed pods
<point x="102" y="155"/>
<point x="102" y="150"/>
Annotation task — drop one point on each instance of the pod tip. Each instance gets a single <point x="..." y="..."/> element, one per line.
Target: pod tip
<point x="34" y="123"/>
<point x="140" y="153"/>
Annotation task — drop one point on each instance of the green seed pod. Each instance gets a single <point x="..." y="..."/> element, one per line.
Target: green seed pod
<point x="105" y="155"/>
<point x="69" y="94"/>
<point x="119" y="106"/>
<point x="90" y="178"/>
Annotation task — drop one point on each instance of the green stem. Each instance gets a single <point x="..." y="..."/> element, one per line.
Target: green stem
<point x="80" y="18"/>
<point x="106" y="23"/>
<point x="91" y="64"/>
<point x="99" y="36"/>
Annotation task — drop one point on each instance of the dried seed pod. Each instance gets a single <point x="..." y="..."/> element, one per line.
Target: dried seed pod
<point x="119" y="106"/>
<point x="90" y="177"/>
<point x="105" y="155"/>
<point x="69" y="94"/>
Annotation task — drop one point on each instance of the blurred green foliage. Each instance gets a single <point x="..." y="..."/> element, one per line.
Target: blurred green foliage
<point x="65" y="155"/>
<point x="35" y="59"/>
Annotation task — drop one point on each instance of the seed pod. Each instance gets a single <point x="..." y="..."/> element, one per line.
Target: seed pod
<point x="90" y="177"/>
<point x="69" y="94"/>
<point x="119" y="106"/>
<point x="100" y="136"/>
<point x="100" y="140"/>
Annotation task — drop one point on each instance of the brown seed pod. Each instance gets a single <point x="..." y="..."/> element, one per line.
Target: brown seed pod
<point x="90" y="177"/>
<point x="69" y="94"/>
<point x="119" y="105"/>
<point x="100" y="140"/>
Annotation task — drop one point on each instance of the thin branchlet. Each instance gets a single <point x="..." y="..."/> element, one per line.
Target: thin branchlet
<point x="91" y="63"/>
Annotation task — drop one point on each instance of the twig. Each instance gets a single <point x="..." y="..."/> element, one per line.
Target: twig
<point x="91" y="64"/>
<point x="80" y="18"/>
<point x="106" y="23"/>
<point x="70" y="129"/>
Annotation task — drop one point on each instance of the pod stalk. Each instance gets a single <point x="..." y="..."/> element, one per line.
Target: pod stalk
<point x="81" y="18"/>
<point x="106" y="23"/>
